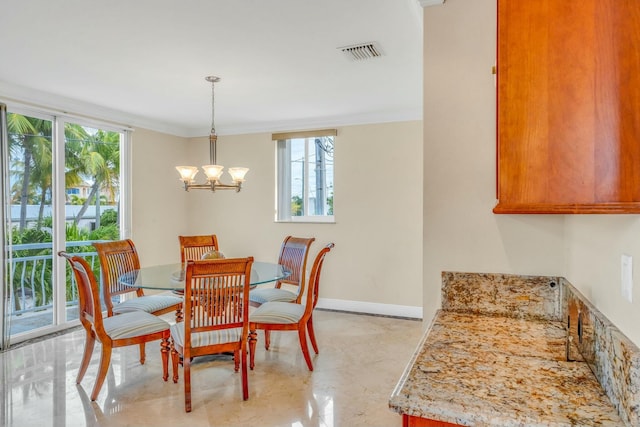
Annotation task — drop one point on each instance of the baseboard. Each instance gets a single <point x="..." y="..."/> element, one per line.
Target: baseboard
<point x="371" y="308"/>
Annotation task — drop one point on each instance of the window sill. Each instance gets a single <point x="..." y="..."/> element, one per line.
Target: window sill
<point x="308" y="220"/>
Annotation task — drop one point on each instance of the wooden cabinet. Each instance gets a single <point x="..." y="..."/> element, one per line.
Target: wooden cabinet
<point x="411" y="421"/>
<point x="568" y="119"/>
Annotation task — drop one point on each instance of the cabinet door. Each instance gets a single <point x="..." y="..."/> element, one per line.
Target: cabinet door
<point x="568" y="129"/>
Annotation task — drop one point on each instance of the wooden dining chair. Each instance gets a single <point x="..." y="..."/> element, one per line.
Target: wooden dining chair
<point x="194" y="247"/>
<point x="216" y="295"/>
<point x="132" y="328"/>
<point x="119" y="257"/>
<point x="285" y="316"/>
<point x="293" y="255"/>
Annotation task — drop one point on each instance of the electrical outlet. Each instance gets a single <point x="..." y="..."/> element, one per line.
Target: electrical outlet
<point x="627" y="277"/>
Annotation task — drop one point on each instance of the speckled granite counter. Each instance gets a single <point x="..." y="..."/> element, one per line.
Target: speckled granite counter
<point x="479" y="370"/>
<point x="479" y="367"/>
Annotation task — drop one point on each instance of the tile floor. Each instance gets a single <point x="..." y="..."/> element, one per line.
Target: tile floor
<point x="361" y="359"/>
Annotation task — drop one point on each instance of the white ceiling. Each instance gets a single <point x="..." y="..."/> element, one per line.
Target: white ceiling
<point x="143" y="62"/>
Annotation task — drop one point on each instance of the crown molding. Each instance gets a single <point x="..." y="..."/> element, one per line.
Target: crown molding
<point x="427" y="3"/>
<point x="16" y="94"/>
<point x="27" y="97"/>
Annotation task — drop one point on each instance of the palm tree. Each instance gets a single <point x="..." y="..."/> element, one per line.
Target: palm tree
<point x="100" y="162"/>
<point x="75" y="137"/>
<point x="29" y="138"/>
<point x="42" y="175"/>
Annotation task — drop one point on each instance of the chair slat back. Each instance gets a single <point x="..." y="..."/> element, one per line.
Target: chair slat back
<point x="314" y="281"/>
<point x="90" y="313"/>
<point x="217" y="294"/>
<point x="116" y="258"/>
<point x="193" y="247"/>
<point x="293" y="254"/>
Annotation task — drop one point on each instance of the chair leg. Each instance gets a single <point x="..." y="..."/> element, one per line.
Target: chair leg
<point x="179" y="315"/>
<point x="105" y="360"/>
<point x="245" y="382"/>
<point x="312" y="334"/>
<point x="164" y="352"/>
<point x="175" y="360"/>
<point x="267" y="339"/>
<point x="253" y="337"/>
<point x="186" y="362"/>
<point x="89" y="343"/>
<point x="305" y="348"/>
<point x="143" y="354"/>
<point x="236" y="360"/>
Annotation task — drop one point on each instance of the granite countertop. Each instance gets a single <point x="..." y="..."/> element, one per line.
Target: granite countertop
<point x="487" y="370"/>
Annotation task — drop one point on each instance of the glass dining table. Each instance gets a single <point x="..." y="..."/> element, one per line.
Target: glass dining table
<point x="170" y="277"/>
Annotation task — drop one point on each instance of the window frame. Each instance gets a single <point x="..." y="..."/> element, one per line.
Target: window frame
<point x="284" y="177"/>
<point x="59" y="119"/>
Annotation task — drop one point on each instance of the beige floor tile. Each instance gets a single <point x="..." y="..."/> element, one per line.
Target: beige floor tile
<point x="361" y="359"/>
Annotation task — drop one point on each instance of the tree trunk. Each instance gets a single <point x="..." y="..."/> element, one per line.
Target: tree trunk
<point x="24" y="193"/>
<point x="97" y="211"/>
<point x="43" y="199"/>
<point x="85" y="205"/>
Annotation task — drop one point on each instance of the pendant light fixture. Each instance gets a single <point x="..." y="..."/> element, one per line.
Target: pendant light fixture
<point x="213" y="171"/>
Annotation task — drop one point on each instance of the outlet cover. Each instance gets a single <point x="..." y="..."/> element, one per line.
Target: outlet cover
<point x="627" y="277"/>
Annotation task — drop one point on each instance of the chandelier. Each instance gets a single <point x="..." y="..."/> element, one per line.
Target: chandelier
<point x="212" y="170"/>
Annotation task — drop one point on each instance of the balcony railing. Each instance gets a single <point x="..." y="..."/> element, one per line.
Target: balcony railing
<point x="32" y="285"/>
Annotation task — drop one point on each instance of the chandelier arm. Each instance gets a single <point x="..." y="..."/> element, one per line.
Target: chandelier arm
<point x="213" y="186"/>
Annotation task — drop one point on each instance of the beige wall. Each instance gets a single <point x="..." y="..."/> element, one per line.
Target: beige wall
<point x="376" y="264"/>
<point x="595" y="245"/>
<point x="159" y="204"/>
<point x="461" y="233"/>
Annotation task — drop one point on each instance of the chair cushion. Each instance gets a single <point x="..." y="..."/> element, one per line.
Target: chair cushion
<point x="203" y="339"/>
<point x="263" y="295"/>
<point x="148" y="303"/>
<point x="129" y="325"/>
<point x="277" y="312"/>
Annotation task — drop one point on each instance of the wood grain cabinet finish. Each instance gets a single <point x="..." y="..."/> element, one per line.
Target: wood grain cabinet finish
<point x="568" y="119"/>
<point x="412" y="421"/>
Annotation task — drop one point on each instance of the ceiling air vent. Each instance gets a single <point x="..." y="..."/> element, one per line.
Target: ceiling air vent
<point x="358" y="52"/>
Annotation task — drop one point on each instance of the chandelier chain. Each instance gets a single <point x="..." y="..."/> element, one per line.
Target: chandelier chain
<point x="213" y="103"/>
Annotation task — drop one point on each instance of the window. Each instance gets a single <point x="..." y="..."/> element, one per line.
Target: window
<point x="66" y="188"/>
<point x="305" y="176"/>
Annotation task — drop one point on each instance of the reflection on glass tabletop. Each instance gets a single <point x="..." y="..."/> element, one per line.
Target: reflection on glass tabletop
<point x="171" y="276"/>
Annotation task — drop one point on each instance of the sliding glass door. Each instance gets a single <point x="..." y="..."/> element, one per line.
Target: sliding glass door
<point x="30" y="182"/>
<point x="92" y="196"/>
<point x="64" y="192"/>
<point x="4" y="231"/>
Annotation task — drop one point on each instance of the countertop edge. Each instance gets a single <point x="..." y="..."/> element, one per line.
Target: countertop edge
<point x="395" y="395"/>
